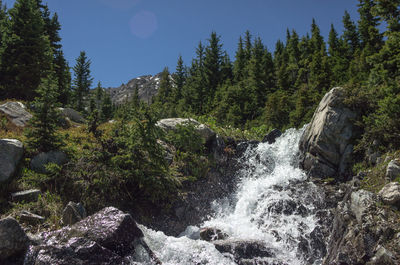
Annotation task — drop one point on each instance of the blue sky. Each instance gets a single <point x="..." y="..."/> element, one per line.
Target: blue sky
<point x="128" y="38"/>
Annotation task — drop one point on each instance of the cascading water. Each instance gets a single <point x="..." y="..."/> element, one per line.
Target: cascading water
<point x="273" y="205"/>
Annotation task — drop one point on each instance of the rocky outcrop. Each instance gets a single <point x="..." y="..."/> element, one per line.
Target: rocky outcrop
<point x="325" y="146"/>
<point x="13" y="240"/>
<point x="69" y="114"/>
<point x="39" y="162"/>
<point x="11" y="152"/>
<point x="16" y="112"/>
<point x="148" y="87"/>
<point x="390" y="194"/>
<point x="103" y="238"/>
<point x="72" y="213"/>
<point x="361" y="229"/>
<point x="171" y="124"/>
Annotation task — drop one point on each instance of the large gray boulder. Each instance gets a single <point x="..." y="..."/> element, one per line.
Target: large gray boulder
<point x="11" y="152"/>
<point x="171" y="124"/>
<point x="16" y="113"/>
<point x="13" y="239"/>
<point x="390" y="193"/>
<point x="325" y="145"/>
<point x="72" y="115"/>
<point x="103" y="238"/>
<point x="39" y="162"/>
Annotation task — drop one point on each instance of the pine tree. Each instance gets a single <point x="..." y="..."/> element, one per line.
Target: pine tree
<point x="27" y="55"/>
<point x="63" y="76"/>
<point x="371" y="39"/>
<point x="226" y="68"/>
<point x="82" y="80"/>
<point x="179" y="78"/>
<point x="42" y="134"/>
<point x="390" y="12"/>
<point x="106" y="108"/>
<point x="350" y="35"/>
<point x="164" y="94"/>
<point x="240" y="62"/>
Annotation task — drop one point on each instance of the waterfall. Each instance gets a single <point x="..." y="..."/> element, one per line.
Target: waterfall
<point x="273" y="204"/>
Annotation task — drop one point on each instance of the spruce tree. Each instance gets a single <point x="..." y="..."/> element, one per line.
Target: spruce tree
<point x="240" y="62"/>
<point x="371" y="39"/>
<point x="106" y="108"/>
<point x="179" y="78"/>
<point x="27" y="55"/>
<point x="82" y="80"/>
<point x="350" y="35"/>
<point x="42" y="134"/>
<point x="390" y="12"/>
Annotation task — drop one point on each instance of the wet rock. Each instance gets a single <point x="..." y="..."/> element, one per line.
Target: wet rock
<point x="71" y="115"/>
<point x="244" y="249"/>
<point x="103" y="238"/>
<point x="30" y="218"/>
<point x="393" y="170"/>
<point x="11" y="152"/>
<point x="325" y="145"/>
<point x="271" y="136"/>
<point x="72" y="213"/>
<point x="192" y="232"/>
<point x="26" y="195"/>
<point x="39" y="162"/>
<point x="13" y="240"/>
<point x="390" y="193"/>
<point x="212" y="234"/>
<point x="171" y="124"/>
<point x="16" y="112"/>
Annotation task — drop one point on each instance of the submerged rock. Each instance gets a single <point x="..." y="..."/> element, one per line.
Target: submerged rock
<point x="244" y="249"/>
<point x="103" y="238"/>
<point x="11" y="152"/>
<point x="271" y="136"/>
<point x="13" y="240"/>
<point x="16" y="112"/>
<point x="212" y="234"/>
<point x="325" y="145"/>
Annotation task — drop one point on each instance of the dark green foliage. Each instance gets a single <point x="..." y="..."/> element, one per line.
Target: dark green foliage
<point x="185" y="138"/>
<point x="26" y="54"/>
<point x="42" y="134"/>
<point x="179" y="78"/>
<point x="82" y="81"/>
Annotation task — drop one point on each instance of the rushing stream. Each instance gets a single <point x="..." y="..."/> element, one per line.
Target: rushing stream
<point x="273" y="204"/>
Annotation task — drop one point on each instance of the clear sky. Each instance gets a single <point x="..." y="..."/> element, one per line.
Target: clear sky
<point x="128" y="38"/>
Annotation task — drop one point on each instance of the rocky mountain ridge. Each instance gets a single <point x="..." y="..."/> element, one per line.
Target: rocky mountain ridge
<point x="147" y="84"/>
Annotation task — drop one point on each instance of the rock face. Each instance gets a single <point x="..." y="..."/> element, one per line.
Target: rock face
<point x="13" y="239"/>
<point x="103" y="238"/>
<point x="361" y="232"/>
<point x="16" y="113"/>
<point x="393" y="170"/>
<point x="73" y="212"/>
<point x="325" y="146"/>
<point x="170" y="124"/>
<point x="148" y="87"/>
<point x="390" y="193"/>
<point x="72" y="115"/>
<point x="39" y="162"/>
<point x="11" y="152"/>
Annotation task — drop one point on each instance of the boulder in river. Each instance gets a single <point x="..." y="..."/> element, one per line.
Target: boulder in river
<point x="326" y="144"/>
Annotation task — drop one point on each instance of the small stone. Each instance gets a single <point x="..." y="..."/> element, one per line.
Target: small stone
<point x="26" y="196"/>
<point x="73" y="213"/>
<point x="30" y="218"/>
<point x="393" y="170"/>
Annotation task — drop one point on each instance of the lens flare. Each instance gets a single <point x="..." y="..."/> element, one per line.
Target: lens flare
<point x="143" y="24"/>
